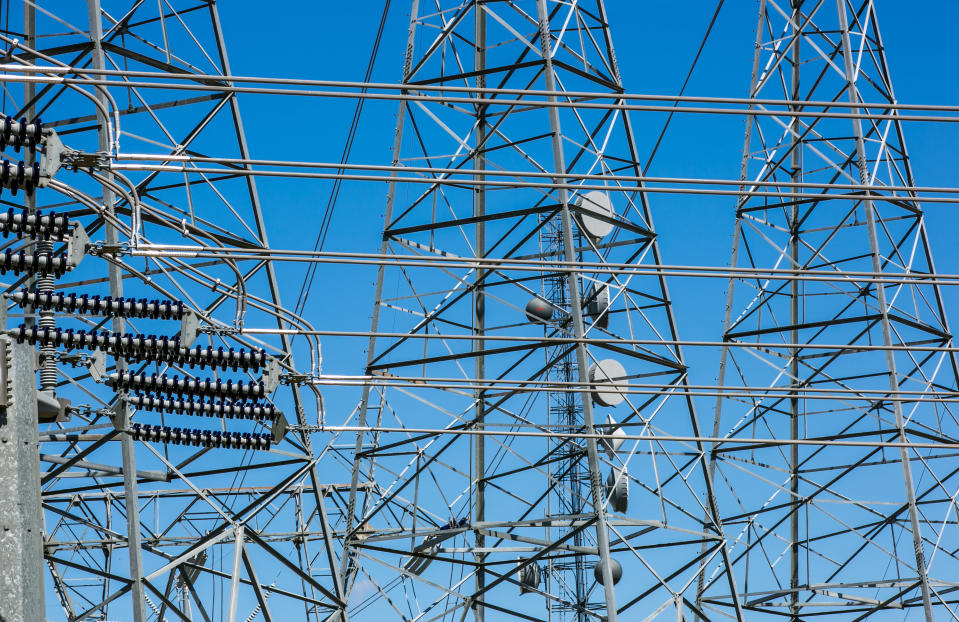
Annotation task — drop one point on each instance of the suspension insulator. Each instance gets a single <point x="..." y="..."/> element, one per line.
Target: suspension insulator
<point x="174" y="385"/>
<point x="201" y="438"/>
<point x="35" y="225"/>
<point x="69" y="302"/>
<point x="19" y="176"/>
<point x="255" y="411"/>
<point x="42" y="262"/>
<point x="144" y="348"/>
<point x="228" y="358"/>
<point x="21" y="134"/>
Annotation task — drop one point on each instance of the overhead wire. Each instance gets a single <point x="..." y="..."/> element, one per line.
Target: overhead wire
<point x="659" y="438"/>
<point x="689" y="75"/>
<point x="56" y="72"/>
<point x="344" y="158"/>
<point x="468" y="173"/>
<point x="538" y="265"/>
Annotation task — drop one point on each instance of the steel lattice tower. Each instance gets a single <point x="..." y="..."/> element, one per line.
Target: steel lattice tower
<point x="458" y="521"/>
<point x="526" y="431"/>
<point x="147" y="511"/>
<point x="846" y="346"/>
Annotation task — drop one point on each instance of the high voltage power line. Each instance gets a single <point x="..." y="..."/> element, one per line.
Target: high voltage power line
<point x="526" y="430"/>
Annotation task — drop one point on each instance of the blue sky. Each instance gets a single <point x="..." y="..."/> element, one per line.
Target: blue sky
<point x="655" y="44"/>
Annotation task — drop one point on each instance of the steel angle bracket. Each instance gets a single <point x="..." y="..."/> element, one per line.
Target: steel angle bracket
<point x="189" y="327"/>
<point x="52" y="157"/>
<point x="271" y="375"/>
<point x="97" y="365"/>
<point x="77" y="245"/>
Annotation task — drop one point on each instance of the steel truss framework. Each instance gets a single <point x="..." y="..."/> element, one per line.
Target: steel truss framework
<point x="478" y="452"/>
<point x="451" y="522"/>
<point x="826" y="530"/>
<point x="146" y="530"/>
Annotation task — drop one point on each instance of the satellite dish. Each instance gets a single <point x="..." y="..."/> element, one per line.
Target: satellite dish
<point x="608" y="372"/>
<point x="617" y="489"/>
<point x="598" y="306"/>
<point x="595" y="202"/>
<point x="529" y="577"/>
<point x="614" y="567"/>
<point x="539" y="310"/>
<point x="612" y="445"/>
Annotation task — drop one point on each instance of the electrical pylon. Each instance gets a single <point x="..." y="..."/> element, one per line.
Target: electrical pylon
<point x="844" y="346"/>
<point x="150" y="511"/>
<point x="503" y="341"/>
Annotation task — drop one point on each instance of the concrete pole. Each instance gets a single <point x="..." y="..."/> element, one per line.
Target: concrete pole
<point x="21" y="544"/>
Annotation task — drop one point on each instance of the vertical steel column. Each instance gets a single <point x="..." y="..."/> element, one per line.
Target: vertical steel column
<point x="730" y="294"/>
<point x="864" y="179"/>
<point x="795" y="163"/>
<point x="911" y="181"/>
<point x="131" y="498"/>
<point x="479" y="304"/>
<point x="378" y="294"/>
<point x="43" y="282"/>
<point x="235" y="574"/>
<point x="29" y="88"/>
<point x="21" y="541"/>
<point x="319" y="498"/>
<point x="569" y="252"/>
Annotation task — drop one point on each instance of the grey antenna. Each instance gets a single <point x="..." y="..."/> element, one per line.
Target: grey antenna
<point x="617" y="488"/>
<point x="529" y="576"/>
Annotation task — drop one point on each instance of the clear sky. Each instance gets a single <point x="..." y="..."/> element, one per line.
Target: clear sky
<point x="655" y="45"/>
<point x="655" y="41"/>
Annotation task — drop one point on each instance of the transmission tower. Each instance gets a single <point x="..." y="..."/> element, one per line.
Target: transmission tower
<point x="836" y="331"/>
<point x="525" y="444"/>
<point x="169" y="487"/>
<point x="508" y="330"/>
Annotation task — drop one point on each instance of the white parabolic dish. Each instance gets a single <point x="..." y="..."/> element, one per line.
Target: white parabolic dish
<point x="611" y="372"/>
<point x="598" y="203"/>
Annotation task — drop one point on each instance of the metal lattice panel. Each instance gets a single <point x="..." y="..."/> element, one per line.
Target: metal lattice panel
<point x="850" y="350"/>
<point x="454" y="519"/>
<point x="144" y="515"/>
<point x="520" y="440"/>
